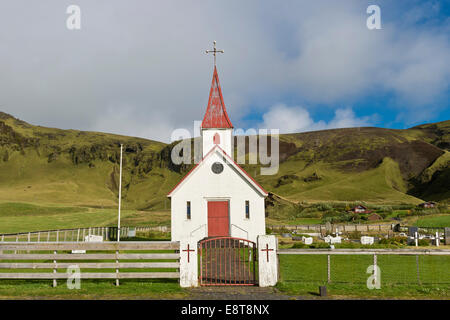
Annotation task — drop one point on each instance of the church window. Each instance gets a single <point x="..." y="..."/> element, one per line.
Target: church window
<point x="216" y="139"/>
<point x="217" y="167"/>
<point x="247" y="209"/>
<point x="188" y="210"/>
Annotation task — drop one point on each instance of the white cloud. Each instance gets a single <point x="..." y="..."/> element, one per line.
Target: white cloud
<point x="297" y="119"/>
<point x="149" y="56"/>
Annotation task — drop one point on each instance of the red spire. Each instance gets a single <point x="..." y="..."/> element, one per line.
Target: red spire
<point x="216" y="115"/>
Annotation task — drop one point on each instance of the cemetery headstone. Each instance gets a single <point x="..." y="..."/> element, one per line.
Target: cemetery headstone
<point x="93" y="238"/>
<point x="89" y="238"/>
<point x="447" y="236"/>
<point x="367" y="240"/>
<point x="329" y="239"/>
<point x="412" y="231"/>
<point x="132" y="232"/>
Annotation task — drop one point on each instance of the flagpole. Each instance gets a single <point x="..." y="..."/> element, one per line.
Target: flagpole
<point x="120" y="194"/>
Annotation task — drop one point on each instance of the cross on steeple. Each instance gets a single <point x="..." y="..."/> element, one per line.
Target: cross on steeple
<point x="214" y="51"/>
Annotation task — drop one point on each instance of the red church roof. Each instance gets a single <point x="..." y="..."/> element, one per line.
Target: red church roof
<point x="216" y="115"/>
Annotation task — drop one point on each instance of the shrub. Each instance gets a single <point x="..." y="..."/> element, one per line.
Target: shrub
<point x="324" y="207"/>
<point x="299" y="245"/>
<point x="396" y="241"/>
<point x="354" y="235"/>
<point x="424" y="242"/>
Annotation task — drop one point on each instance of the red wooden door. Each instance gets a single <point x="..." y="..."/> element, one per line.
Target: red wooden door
<point x="218" y="219"/>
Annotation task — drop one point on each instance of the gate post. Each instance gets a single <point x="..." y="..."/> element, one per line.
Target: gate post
<point x="267" y="260"/>
<point x="188" y="262"/>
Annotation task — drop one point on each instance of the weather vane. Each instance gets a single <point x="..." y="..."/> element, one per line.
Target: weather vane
<point x="214" y="51"/>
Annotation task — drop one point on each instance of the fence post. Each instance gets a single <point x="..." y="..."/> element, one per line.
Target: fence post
<point x="39" y="236"/>
<point x="29" y="236"/>
<point x="54" y="269"/>
<point x="328" y="269"/>
<point x="57" y="236"/>
<point x="117" y="268"/>
<point x="375" y="268"/>
<point x="65" y="235"/>
<point x="48" y="236"/>
<point x="418" y="271"/>
<point x="78" y="234"/>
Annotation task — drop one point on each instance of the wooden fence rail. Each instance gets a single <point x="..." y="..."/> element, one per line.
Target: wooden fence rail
<point x="12" y="252"/>
<point x="78" y="234"/>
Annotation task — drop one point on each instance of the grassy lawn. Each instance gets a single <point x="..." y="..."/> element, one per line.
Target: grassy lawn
<point x="25" y="217"/>
<point x="434" y="221"/>
<point x="297" y="221"/>
<point x="92" y="289"/>
<point x="302" y="274"/>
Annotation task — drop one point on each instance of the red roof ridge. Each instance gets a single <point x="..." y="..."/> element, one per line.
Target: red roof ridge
<point x="216" y="115"/>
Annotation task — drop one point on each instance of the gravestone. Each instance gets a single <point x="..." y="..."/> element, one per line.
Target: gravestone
<point x="412" y="231"/>
<point x="93" y="238"/>
<point x="447" y="236"/>
<point x="331" y="240"/>
<point x="89" y="238"/>
<point x="367" y="240"/>
<point x="323" y="291"/>
<point x="132" y="232"/>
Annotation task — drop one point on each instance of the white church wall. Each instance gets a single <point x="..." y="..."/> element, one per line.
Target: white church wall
<point x="225" y="140"/>
<point x="203" y="186"/>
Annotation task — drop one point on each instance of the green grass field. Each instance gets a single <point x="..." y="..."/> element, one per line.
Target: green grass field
<point x="434" y="221"/>
<point x="92" y="289"/>
<point x="26" y="217"/>
<point x="303" y="274"/>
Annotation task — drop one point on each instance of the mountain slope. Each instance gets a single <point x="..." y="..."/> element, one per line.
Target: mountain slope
<point x="47" y="165"/>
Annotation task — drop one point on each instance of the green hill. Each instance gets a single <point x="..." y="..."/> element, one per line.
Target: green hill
<point x="71" y="167"/>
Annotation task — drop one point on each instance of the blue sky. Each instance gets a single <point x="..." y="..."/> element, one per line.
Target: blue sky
<point x="139" y="68"/>
<point x="381" y="107"/>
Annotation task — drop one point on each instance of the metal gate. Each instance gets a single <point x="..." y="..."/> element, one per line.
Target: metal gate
<point x="227" y="261"/>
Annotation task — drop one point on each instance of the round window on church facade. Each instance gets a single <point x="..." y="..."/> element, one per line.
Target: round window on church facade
<point x="217" y="167"/>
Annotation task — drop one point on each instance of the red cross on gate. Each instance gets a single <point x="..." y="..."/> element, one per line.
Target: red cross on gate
<point x="188" y="251"/>
<point x="267" y="251"/>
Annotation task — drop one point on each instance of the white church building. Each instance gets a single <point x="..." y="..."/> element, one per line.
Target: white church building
<point x="217" y="197"/>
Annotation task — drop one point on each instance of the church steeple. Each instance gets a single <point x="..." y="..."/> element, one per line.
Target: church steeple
<point x="216" y="127"/>
<point x="216" y="114"/>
